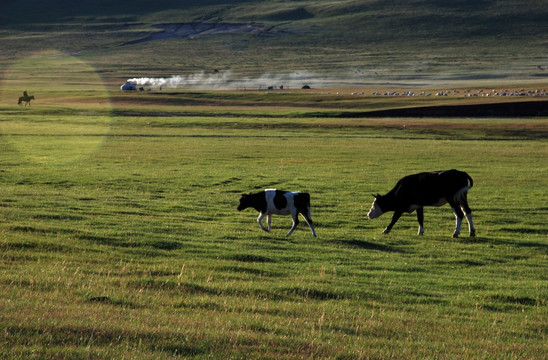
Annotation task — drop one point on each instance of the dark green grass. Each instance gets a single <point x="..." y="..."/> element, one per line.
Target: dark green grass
<point x="129" y="245"/>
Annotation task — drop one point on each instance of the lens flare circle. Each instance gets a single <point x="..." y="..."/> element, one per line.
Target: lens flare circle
<point x="69" y="117"/>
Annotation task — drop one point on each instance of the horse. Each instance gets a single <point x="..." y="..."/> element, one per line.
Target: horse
<point x="25" y="99"/>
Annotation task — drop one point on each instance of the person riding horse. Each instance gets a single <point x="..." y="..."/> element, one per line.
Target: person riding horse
<point x="25" y="98"/>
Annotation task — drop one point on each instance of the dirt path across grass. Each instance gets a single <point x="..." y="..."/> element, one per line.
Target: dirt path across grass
<point x="195" y="29"/>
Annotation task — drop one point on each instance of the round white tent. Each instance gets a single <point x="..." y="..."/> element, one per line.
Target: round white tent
<point x="128" y="86"/>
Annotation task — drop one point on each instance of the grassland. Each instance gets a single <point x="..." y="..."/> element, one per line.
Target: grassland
<point x="119" y="235"/>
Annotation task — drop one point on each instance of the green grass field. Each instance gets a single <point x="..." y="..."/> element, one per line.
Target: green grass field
<point x="120" y="238"/>
<point x="119" y="234"/>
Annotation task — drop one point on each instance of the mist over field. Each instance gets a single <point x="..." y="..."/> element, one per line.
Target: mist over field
<point x="227" y="80"/>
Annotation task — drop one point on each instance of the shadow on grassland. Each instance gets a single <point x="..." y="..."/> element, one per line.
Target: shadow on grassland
<point x="516" y="109"/>
<point x="497" y="241"/>
<point x="368" y="245"/>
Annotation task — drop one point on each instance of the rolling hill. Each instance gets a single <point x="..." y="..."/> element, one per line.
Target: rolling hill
<point x="319" y="42"/>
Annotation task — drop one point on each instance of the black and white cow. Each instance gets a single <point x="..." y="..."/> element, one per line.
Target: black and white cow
<point x="272" y="201"/>
<point x="437" y="188"/>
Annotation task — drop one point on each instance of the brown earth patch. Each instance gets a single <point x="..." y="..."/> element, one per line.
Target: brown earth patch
<point x="499" y="110"/>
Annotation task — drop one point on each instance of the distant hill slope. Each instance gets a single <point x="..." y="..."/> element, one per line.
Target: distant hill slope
<point x="358" y="41"/>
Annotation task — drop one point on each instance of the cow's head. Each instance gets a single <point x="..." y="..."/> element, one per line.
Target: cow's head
<point x="244" y="202"/>
<point x="375" y="210"/>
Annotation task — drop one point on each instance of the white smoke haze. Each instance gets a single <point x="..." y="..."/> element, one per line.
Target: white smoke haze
<point x="227" y="80"/>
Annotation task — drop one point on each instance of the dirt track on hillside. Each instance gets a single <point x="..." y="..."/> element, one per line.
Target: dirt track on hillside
<point x="195" y="29"/>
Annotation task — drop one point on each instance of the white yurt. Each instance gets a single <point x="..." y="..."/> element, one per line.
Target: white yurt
<point x="128" y="86"/>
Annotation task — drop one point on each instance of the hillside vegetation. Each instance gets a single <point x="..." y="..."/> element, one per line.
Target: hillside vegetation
<point x="357" y="41"/>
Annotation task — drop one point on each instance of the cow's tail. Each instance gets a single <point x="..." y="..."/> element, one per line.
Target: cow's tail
<point x="303" y="204"/>
<point x="460" y="196"/>
<point x="306" y="200"/>
<point x="470" y="179"/>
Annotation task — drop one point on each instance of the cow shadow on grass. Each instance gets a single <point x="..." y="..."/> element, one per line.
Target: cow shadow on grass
<point x="250" y="258"/>
<point x="505" y="241"/>
<point x="369" y="245"/>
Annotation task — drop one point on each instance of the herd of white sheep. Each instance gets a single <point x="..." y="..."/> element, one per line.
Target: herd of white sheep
<point x="466" y="93"/>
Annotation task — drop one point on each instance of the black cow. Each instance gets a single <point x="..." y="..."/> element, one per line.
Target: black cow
<point x="437" y="188"/>
<point x="272" y="201"/>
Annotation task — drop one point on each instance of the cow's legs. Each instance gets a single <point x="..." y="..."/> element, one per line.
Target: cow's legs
<point x="395" y="219"/>
<point x="269" y="222"/>
<point x="468" y="213"/>
<point x="295" y="218"/>
<point x="420" y="219"/>
<point x="458" y="216"/>
<point x="261" y="216"/>
<point x="471" y="228"/>
<point x="308" y="220"/>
